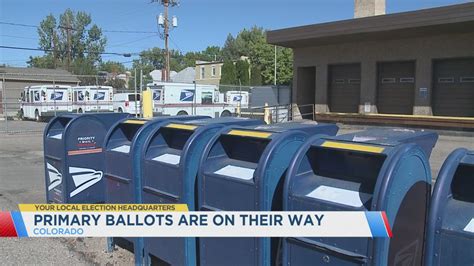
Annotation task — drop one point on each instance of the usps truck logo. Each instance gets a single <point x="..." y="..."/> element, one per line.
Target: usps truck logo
<point x="99" y="96"/>
<point x="237" y="98"/>
<point x="55" y="177"/>
<point x="56" y="96"/>
<point x="186" y="96"/>
<point x="84" y="178"/>
<point x="157" y="95"/>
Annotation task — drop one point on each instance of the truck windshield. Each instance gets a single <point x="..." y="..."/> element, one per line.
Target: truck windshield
<point x="134" y="97"/>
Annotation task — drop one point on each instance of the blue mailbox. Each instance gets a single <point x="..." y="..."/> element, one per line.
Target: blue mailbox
<point x="172" y="153"/>
<point x="73" y="157"/>
<point x="375" y="170"/>
<point x="242" y="169"/>
<point x="450" y="232"/>
<point x="123" y="144"/>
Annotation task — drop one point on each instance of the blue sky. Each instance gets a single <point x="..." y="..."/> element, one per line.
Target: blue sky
<point x="201" y="22"/>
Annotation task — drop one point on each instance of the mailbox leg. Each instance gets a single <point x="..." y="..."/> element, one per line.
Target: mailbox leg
<point x="110" y="244"/>
<point x="138" y="251"/>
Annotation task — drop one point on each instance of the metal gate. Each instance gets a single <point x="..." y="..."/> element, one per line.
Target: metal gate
<point x="453" y="87"/>
<point x="344" y="88"/>
<point x="396" y="87"/>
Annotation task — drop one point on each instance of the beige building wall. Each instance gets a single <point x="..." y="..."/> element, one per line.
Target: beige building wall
<point x="208" y="73"/>
<point x="310" y="76"/>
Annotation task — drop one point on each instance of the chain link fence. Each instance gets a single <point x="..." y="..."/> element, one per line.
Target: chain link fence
<point x="256" y="101"/>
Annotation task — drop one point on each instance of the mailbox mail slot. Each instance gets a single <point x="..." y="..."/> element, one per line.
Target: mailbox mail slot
<point x="450" y="232"/>
<point x="243" y="170"/>
<point x="73" y="157"/>
<point x="380" y="170"/>
<point x="172" y="153"/>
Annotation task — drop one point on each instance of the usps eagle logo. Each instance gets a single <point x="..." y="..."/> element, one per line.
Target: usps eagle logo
<point x="186" y="96"/>
<point x="55" y="177"/>
<point x="84" y="178"/>
<point x="99" y="96"/>
<point x="237" y="98"/>
<point x="56" y="96"/>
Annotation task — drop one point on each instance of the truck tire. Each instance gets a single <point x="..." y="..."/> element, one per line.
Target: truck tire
<point x="226" y="113"/>
<point x="120" y="110"/>
<point x="37" y="116"/>
<point x="182" y="113"/>
<point x="80" y="111"/>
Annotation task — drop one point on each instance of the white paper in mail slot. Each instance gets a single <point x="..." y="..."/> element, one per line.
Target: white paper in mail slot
<point x="122" y="149"/>
<point x="337" y="195"/>
<point x="168" y="158"/>
<point x="470" y="226"/>
<point x="236" y="172"/>
<point x="57" y="136"/>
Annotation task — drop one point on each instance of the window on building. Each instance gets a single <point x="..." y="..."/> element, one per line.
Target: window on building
<point x="213" y="71"/>
<point x="203" y="72"/>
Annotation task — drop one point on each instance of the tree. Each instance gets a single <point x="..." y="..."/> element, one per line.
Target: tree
<point x="116" y="83"/>
<point x="211" y="53"/>
<point x="242" y="71"/>
<point x="230" y="50"/>
<point x="72" y="38"/>
<point x="229" y="75"/>
<point x="252" y="43"/>
<point x="112" y="67"/>
<point x="154" y="58"/>
<point x="255" y="76"/>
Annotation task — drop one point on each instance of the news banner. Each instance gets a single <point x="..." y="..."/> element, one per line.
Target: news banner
<point x="174" y="220"/>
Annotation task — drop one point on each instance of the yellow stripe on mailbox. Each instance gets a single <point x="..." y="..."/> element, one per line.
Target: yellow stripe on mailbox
<point x="247" y="133"/>
<point x="352" y="147"/>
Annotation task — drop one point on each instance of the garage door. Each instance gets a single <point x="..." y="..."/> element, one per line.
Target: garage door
<point x="453" y="87"/>
<point x="344" y="88"/>
<point x="396" y="87"/>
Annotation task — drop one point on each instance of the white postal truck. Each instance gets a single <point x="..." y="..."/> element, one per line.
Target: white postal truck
<point x="92" y="99"/>
<point x="188" y="99"/>
<point x="39" y="102"/>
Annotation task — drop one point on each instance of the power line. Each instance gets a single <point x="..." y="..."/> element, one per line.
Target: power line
<point x="51" y="50"/>
<point x="18" y="24"/>
<point x="18" y="37"/>
<point x="110" y="31"/>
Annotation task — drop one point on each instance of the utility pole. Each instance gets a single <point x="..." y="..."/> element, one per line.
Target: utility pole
<point x="163" y="21"/>
<point x="68" y="29"/>
<point x="167" y="34"/>
<point x="275" y="70"/>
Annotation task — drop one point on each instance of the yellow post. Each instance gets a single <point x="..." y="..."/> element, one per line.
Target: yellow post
<point x="267" y="116"/>
<point x="237" y="110"/>
<point x="147" y="104"/>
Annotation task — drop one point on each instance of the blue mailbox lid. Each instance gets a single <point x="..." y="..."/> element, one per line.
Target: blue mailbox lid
<point x="450" y="231"/>
<point x="392" y="137"/>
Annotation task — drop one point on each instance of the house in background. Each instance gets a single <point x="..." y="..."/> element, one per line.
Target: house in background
<point x="208" y="72"/>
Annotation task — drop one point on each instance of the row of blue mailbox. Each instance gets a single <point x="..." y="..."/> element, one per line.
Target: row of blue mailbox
<point x="238" y="164"/>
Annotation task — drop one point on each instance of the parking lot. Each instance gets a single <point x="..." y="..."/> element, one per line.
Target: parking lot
<point x="22" y="181"/>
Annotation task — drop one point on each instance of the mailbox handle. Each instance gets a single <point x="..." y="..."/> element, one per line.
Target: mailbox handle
<point x="119" y="178"/>
<point x="346" y="255"/>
